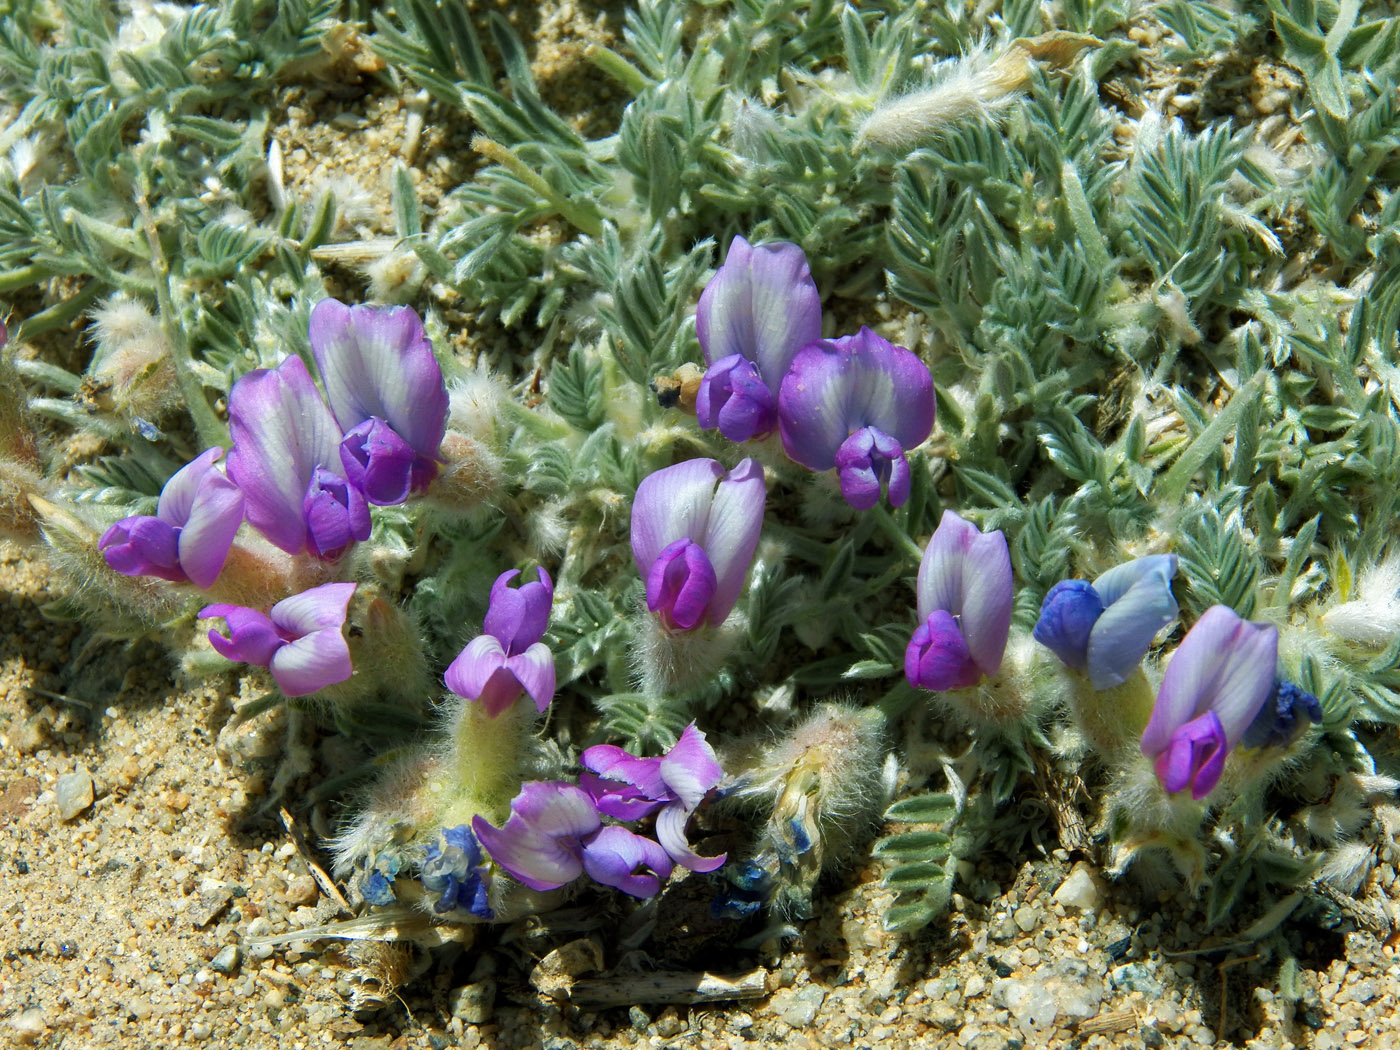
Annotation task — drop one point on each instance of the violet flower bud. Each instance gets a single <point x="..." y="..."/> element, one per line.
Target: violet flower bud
<point x="1104" y="629"/>
<point x="761" y="307"/>
<point x="554" y="834"/>
<point x="1215" y="685"/>
<point x="694" y="532"/>
<point x="300" y="640"/>
<point x="377" y="363"/>
<point x="630" y="788"/>
<point x="336" y="514"/>
<point x="283" y="434"/>
<point x="380" y="463"/>
<point x="189" y="536"/>
<point x="857" y="404"/>
<point x="509" y="659"/>
<point x="964" y="598"/>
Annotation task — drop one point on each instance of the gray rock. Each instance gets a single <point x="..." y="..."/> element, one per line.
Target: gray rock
<point x="228" y="959"/>
<point x="1136" y="977"/>
<point x="73" y="793"/>
<point x="210" y="904"/>
<point x="475" y="1003"/>
<point x="798" y="1009"/>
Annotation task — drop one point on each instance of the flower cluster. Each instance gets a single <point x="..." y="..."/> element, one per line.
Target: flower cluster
<point x="303" y="471"/>
<point x="555" y="831"/>
<point x="855" y="404"/>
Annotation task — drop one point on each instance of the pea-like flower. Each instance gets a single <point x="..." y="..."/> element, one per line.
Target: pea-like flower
<point x="1215" y="685"/>
<point x="554" y="834"/>
<point x="964" y="598"/>
<point x="189" y="536"/>
<point x="857" y="404"/>
<point x="286" y="459"/>
<point x="508" y="658"/>
<point x="1285" y="717"/>
<point x="1104" y="629"/>
<point x="694" y="532"/>
<point x="760" y="308"/>
<point x="300" y="640"/>
<point x="386" y="392"/>
<point x="453" y="873"/>
<point x="672" y="786"/>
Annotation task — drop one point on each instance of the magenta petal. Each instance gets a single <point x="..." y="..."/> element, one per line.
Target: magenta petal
<point x="734" y="398"/>
<point x="519" y="616"/>
<point x="938" y="657"/>
<point x="761" y="304"/>
<point x="143" y="546"/>
<point x="670" y="832"/>
<point x="377" y="361"/>
<point x="866" y="462"/>
<point x="556" y="808"/>
<point x="214" y="520"/>
<point x="252" y="637"/>
<point x="378" y="462"/>
<point x="336" y="514"/>
<point x="689" y="769"/>
<point x="282" y="431"/>
<point x="626" y="861"/>
<point x="680" y="585"/>
<point x="178" y="496"/>
<point x="1195" y="756"/>
<point x="644" y="774"/>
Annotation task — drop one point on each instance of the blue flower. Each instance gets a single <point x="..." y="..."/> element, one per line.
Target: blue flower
<point x="1105" y="628"/>
<point x="1284" y="717"/>
<point x="453" y="871"/>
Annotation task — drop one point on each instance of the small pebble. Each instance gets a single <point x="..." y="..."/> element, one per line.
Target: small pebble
<point x="226" y="962"/>
<point x="73" y="793"/>
<point x="475" y="1003"/>
<point x="1078" y="891"/>
<point x="1027" y="918"/>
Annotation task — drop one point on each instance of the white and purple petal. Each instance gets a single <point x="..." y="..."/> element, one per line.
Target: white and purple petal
<point x="534" y="672"/>
<point x="213" y="521"/>
<point x="282" y="431"/>
<point x="689" y="769"/>
<point x="377" y="361"/>
<point x="670" y="832"/>
<point x="252" y="637"/>
<point x="311" y="662"/>
<point x="178" y="495"/>
<point x="143" y="545"/>
<point x="761" y="304"/>
<point x="626" y="861"/>
<point x="672" y="504"/>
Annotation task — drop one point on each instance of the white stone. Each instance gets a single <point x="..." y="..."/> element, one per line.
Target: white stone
<point x="1078" y="891"/>
<point x="73" y="793"/>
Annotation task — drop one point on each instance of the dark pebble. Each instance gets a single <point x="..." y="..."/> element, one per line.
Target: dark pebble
<point x="1310" y="1017"/>
<point x="1152" y="1039"/>
<point x="437" y="1042"/>
<point x="21" y="866"/>
<point x="1120" y="948"/>
<point x="998" y="967"/>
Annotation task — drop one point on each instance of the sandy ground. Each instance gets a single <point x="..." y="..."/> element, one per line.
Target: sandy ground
<point x="135" y="922"/>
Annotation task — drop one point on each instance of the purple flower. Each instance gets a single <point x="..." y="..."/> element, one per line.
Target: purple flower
<point x="453" y="872"/>
<point x="554" y="835"/>
<point x="286" y="459"/>
<point x="1105" y="628"/>
<point x="857" y="404"/>
<point x="964" y="595"/>
<point x="1216" y="683"/>
<point x="694" y="532"/>
<point x="300" y="641"/>
<point x="758" y="310"/>
<point x="508" y="658"/>
<point x="189" y="537"/>
<point x="378" y="369"/>
<point x="630" y="788"/>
